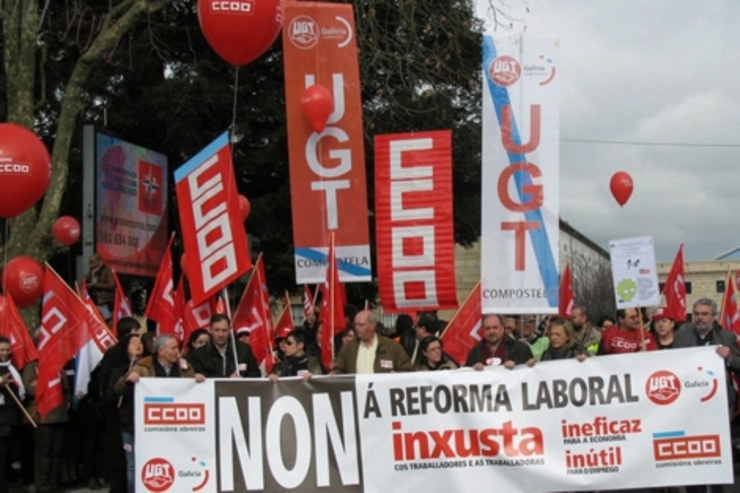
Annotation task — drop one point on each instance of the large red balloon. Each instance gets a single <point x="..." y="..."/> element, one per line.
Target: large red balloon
<point x="317" y="106"/>
<point x="240" y="31"/>
<point x="244" y="207"/>
<point x="66" y="230"/>
<point x="621" y="186"/>
<point x="24" y="280"/>
<point x="25" y="169"/>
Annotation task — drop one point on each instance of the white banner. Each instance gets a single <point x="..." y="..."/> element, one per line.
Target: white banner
<point x="521" y="197"/>
<point x="634" y="273"/>
<point x="622" y="421"/>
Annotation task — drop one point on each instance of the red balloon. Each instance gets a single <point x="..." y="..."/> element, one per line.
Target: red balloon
<point x="66" y="230"/>
<point x="24" y="280"/>
<point x="621" y="186"/>
<point x="3" y="307"/>
<point x="244" y="207"/>
<point x="317" y="106"/>
<point x="240" y="31"/>
<point x="25" y="169"/>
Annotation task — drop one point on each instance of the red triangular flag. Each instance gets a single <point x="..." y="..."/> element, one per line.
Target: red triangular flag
<point x="566" y="293"/>
<point x="308" y="301"/>
<point x="22" y="349"/>
<point x="162" y="306"/>
<point x="66" y="327"/>
<point x="121" y="305"/>
<point x="463" y="331"/>
<point x="333" y="299"/>
<point x="729" y="318"/>
<point x="284" y="325"/>
<point x="675" y="289"/>
<point x="254" y="315"/>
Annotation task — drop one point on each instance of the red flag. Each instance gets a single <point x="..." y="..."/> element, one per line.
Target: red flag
<point x="675" y="289"/>
<point x="464" y="328"/>
<point x="22" y="349"/>
<point x="333" y="299"/>
<point x="284" y="325"/>
<point x="566" y="293"/>
<point x="254" y="314"/>
<point x="66" y="327"/>
<point x="194" y="316"/>
<point x="121" y="305"/>
<point x="162" y="307"/>
<point x="729" y="318"/>
<point x="308" y="301"/>
<point x="179" y="329"/>
<point x="215" y="240"/>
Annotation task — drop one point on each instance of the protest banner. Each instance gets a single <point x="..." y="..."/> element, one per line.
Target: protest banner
<point x="623" y="421"/>
<point x="634" y="272"/>
<point x="521" y="174"/>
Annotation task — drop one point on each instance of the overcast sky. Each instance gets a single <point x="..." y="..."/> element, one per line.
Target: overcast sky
<point x="657" y="71"/>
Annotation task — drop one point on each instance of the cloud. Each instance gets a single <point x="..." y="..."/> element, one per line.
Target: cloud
<point x="657" y="72"/>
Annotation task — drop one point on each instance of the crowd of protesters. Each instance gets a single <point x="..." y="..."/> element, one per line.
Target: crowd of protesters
<point x="90" y="441"/>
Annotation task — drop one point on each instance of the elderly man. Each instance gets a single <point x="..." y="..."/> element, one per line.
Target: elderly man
<point x="495" y="349"/>
<point x="369" y="352"/>
<point x="704" y="331"/>
<point x="216" y="360"/>
<point x="586" y="334"/>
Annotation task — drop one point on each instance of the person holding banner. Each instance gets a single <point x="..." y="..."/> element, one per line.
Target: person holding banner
<point x="432" y="357"/>
<point x="563" y="344"/>
<point x="217" y="359"/>
<point x="495" y="349"/>
<point x="627" y="336"/>
<point x="369" y="352"/>
<point x="295" y="362"/>
<point x="664" y="326"/>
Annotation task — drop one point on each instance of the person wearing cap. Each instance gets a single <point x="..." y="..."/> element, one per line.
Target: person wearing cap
<point x="296" y="362"/>
<point x="663" y="326"/>
<point x="242" y="335"/>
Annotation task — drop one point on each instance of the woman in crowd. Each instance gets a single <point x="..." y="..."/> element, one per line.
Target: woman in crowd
<point x="432" y="357"/>
<point x="663" y="326"/>
<point x="198" y="338"/>
<point x="11" y="393"/>
<point x="135" y="349"/>
<point x="296" y="362"/>
<point x="605" y="323"/>
<point x="563" y="343"/>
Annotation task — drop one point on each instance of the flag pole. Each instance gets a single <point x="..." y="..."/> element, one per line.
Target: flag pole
<point x="333" y="293"/>
<point x="23" y="409"/>
<point x="225" y="294"/>
<point x="449" y="324"/>
<point x="642" y="328"/>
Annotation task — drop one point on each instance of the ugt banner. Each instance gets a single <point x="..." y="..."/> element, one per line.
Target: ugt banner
<point x="130" y="205"/>
<point x="212" y="228"/>
<point x="625" y="421"/>
<point x="520" y="230"/>
<point x="414" y="224"/>
<point x="327" y="167"/>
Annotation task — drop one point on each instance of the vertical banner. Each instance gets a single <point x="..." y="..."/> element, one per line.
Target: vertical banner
<point x="414" y="224"/>
<point x="327" y="168"/>
<point x="214" y="239"/>
<point x="520" y="230"/>
<point x="634" y="272"/>
<point x="130" y="206"/>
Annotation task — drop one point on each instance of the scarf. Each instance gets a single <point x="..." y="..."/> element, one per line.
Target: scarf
<point x="16" y="378"/>
<point x="291" y="365"/>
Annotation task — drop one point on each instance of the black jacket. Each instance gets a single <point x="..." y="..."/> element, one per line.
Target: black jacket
<point x="516" y="351"/>
<point x="208" y="361"/>
<point x="10" y="413"/>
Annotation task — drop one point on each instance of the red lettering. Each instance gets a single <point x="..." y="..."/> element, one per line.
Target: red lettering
<point x="534" y="191"/>
<point x="519" y="228"/>
<point x="534" y="130"/>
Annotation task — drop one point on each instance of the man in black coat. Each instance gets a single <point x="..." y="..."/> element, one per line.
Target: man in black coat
<point x="216" y="360"/>
<point x="495" y="349"/>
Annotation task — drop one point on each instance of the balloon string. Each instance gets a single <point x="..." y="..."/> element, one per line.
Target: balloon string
<point x="233" y="110"/>
<point x="5" y="254"/>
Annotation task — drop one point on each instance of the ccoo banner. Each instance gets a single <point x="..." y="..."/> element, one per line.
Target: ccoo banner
<point x="520" y="230"/>
<point x="414" y="224"/>
<point x="327" y="168"/>
<point x="624" y="421"/>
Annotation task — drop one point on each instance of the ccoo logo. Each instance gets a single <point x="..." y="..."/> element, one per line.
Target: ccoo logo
<point x="663" y="387"/>
<point x="504" y="71"/>
<point x="157" y="475"/>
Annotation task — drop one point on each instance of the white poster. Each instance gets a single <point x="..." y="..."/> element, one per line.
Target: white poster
<point x="634" y="272"/>
<point x="622" y="421"/>
<point x="521" y="175"/>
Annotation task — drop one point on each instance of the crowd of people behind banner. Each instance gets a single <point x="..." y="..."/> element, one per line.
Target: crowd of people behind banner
<point x="91" y="442"/>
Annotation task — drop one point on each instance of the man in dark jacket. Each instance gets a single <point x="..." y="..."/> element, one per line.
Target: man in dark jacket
<point x="425" y="327"/>
<point x="495" y="349"/>
<point x="217" y="359"/>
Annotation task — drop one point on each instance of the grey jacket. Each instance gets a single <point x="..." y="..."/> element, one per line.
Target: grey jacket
<point x="686" y="336"/>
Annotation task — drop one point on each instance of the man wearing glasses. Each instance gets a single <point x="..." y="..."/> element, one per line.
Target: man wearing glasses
<point x="704" y="331"/>
<point x="369" y="352"/>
